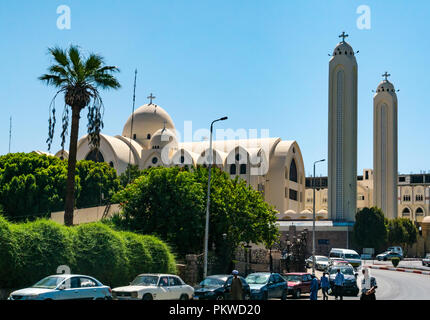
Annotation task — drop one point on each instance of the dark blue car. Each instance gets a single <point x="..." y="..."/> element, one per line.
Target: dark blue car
<point x="265" y="285"/>
<point x="218" y="287"/>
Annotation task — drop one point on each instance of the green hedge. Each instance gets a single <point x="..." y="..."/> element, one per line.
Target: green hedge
<point x="33" y="250"/>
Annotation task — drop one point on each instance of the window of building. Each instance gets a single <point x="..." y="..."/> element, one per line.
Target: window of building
<point x="154" y="160"/>
<point x="293" y="194"/>
<point x="243" y="168"/>
<point x="95" y="155"/>
<point x="182" y="159"/>
<point x="406" y="198"/>
<point x="237" y="157"/>
<point x="134" y="136"/>
<point x="419" y="197"/>
<point x="148" y="136"/>
<point x="293" y="171"/>
<point x="361" y="197"/>
<point x="406" y="212"/>
<point x="111" y="164"/>
<point x="325" y="200"/>
<point x="419" y="212"/>
<point x="233" y="169"/>
<point x="402" y="179"/>
<point x="367" y="175"/>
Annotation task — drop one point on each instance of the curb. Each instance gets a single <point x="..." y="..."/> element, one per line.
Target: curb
<point x="400" y="270"/>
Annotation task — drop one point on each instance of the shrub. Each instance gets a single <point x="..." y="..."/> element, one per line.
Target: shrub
<point x="138" y="254"/>
<point x="101" y="253"/>
<point x="8" y="253"/>
<point x="43" y="246"/>
<point x="163" y="260"/>
<point x="395" y="261"/>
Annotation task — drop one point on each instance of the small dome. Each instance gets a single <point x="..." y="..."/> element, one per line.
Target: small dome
<point x="290" y="212"/>
<point x="306" y="211"/>
<point x="322" y="211"/>
<point x="385" y="86"/>
<point x="343" y="48"/>
<point x="146" y="121"/>
<point x="162" y="137"/>
<point x="426" y="220"/>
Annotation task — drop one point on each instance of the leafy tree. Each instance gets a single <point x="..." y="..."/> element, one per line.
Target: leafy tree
<point x="402" y="231"/>
<point x="369" y="229"/>
<point x="130" y="174"/>
<point x="79" y="79"/>
<point x="33" y="185"/>
<point x="171" y="202"/>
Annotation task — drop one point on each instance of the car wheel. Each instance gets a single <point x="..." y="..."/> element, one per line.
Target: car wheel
<point x="297" y="294"/>
<point x="284" y="295"/>
<point x="183" y="297"/>
<point x="220" y="297"/>
<point x="247" y="296"/>
<point x="147" y="296"/>
<point x="385" y="259"/>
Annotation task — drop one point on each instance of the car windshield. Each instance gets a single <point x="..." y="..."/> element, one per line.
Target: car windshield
<point x="321" y="258"/>
<point x="145" y="281"/>
<point x="257" y="278"/>
<point x="212" y="282"/>
<point x="293" y="278"/>
<point x="345" y="271"/>
<point x="352" y="256"/>
<point x="49" y="282"/>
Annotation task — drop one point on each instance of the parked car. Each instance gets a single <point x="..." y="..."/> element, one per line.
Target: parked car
<point x="64" y="287"/>
<point x="350" y="285"/>
<point x="388" y="255"/>
<point x="150" y="286"/>
<point x="265" y="285"/>
<point x="398" y="250"/>
<point x="321" y="262"/>
<point x="218" y="287"/>
<point x="346" y="254"/>
<point x="298" y="283"/>
<point x="426" y="260"/>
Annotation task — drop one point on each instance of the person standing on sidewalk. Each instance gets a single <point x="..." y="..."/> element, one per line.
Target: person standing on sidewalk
<point x="325" y="285"/>
<point x="339" y="281"/>
<point x="368" y="286"/>
<point x="314" y="288"/>
<point x="236" y="286"/>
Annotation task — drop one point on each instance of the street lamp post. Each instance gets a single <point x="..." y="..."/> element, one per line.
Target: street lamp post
<point x="313" y="221"/>
<point x="205" y="271"/>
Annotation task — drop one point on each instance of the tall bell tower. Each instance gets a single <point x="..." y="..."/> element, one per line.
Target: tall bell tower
<point x="342" y="133"/>
<point x="385" y="148"/>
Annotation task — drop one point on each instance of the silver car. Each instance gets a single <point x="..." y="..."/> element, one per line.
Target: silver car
<point x="64" y="287"/>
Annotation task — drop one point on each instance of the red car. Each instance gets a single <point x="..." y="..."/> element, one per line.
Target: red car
<point x="298" y="283"/>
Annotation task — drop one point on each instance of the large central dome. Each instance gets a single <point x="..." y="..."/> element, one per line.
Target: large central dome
<point x="146" y="121"/>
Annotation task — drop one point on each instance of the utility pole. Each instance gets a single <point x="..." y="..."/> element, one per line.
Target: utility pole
<point x="10" y="132"/>
<point x="131" y="128"/>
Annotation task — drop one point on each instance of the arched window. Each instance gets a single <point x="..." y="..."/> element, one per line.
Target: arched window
<point x="419" y="212"/>
<point x="154" y="160"/>
<point x="243" y="168"/>
<point x="182" y="159"/>
<point x="95" y="155"/>
<point x="293" y="171"/>
<point x="406" y="212"/>
<point x="148" y="136"/>
<point x="233" y="169"/>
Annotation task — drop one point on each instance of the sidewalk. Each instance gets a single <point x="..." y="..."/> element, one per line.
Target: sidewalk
<point x="404" y="269"/>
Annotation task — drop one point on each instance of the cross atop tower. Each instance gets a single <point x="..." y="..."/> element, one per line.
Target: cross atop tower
<point x="386" y="75"/>
<point x="150" y="97"/>
<point x="343" y="36"/>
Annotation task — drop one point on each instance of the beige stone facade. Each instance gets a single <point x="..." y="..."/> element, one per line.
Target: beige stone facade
<point x="413" y="194"/>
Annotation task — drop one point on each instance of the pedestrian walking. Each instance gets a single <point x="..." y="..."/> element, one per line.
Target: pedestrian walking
<point x="339" y="281"/>
<point x="314" y="288"/>
<point x="368" y="286"/>
<point x="236" y="286"/>
<point x="325" y="285"/>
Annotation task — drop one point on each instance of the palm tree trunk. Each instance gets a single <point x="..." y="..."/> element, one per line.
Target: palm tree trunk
<point x="70" y="187"/>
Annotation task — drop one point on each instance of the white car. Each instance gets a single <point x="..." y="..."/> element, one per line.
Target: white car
<point x="155" y="287"/>
<point x="64" y="287"/>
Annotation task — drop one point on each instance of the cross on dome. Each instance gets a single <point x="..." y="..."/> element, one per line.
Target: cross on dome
<point x="386" y="75"/>
<point x="343" y="36"/>
<point x="150" y="97"/>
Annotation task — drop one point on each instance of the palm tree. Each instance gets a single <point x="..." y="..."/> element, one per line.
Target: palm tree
<point x="79" y="79"/>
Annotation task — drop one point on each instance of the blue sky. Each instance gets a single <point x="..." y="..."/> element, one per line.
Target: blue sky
<point x="264" y="64"/>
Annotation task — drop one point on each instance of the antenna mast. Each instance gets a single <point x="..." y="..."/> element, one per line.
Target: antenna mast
<point x="131" y="129"/>
<point x="10" y="132"/>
